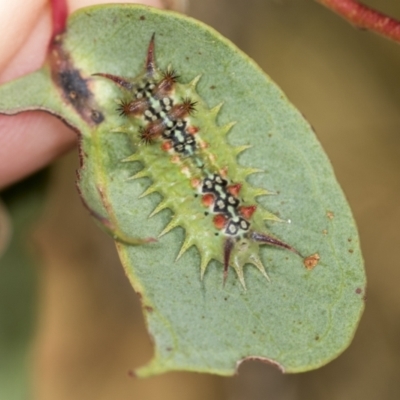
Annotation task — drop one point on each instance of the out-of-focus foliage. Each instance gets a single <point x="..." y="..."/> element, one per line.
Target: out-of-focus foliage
<point x="18" y="287"/>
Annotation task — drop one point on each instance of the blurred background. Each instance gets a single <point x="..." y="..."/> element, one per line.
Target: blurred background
<point x="90" y="330"/>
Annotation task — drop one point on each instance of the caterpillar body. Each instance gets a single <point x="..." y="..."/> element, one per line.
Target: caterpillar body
<point x="190" y="163"/>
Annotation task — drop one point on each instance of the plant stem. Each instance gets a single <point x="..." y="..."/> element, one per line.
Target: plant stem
<point x="365" y="17"/>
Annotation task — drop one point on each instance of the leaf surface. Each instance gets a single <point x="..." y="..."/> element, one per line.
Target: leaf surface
<point x="300" y="320"/>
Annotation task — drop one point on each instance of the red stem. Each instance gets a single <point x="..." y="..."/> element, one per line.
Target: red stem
<point x="59" y="11"/>
<point x="365" y="17"/>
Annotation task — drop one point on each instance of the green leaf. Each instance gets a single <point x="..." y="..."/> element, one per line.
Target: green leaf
<point x="300" y="320"/>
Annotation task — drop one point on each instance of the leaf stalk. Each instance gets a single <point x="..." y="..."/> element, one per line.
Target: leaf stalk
<point x="365" y="17"/>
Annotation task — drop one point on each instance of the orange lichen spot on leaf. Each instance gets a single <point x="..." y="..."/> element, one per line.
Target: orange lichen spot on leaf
<point x="234" y="189"/>
<point x="207" y="200"/>
<point x="330" y="214"/>
<point x="247" y="211"/>
<point x="311" y="261"/>
<point x="220" y="221"/>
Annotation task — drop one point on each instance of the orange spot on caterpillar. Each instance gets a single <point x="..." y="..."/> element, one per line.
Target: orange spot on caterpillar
<point x="247" y="211"/>
<point x="192" y="130"/>
<point x="207" y="200"/>
<point x="166" y="146"/>
<point x="220" y="221"/>
<point x="234" y="189"/>
<point x="224" y="172"/>
<point x="195" y="182"/>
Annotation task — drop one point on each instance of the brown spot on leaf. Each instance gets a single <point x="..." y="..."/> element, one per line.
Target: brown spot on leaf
<point x="325" y="231"/>
<point x="142" y="18"/>
<point x="351" y="251"/>
<point x="97" y="116"/>
<point x="149" y="309"/>
<point x="358" y="290"/>
<point x="330" y="214"/>
<point x="73" y="86"/>
<point x="311" y="261"/>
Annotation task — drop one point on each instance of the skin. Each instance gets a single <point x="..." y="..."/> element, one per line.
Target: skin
<point x="31" y="140"/>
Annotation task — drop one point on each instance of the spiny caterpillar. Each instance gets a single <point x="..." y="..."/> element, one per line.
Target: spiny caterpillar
<point x="186" y="155"/>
